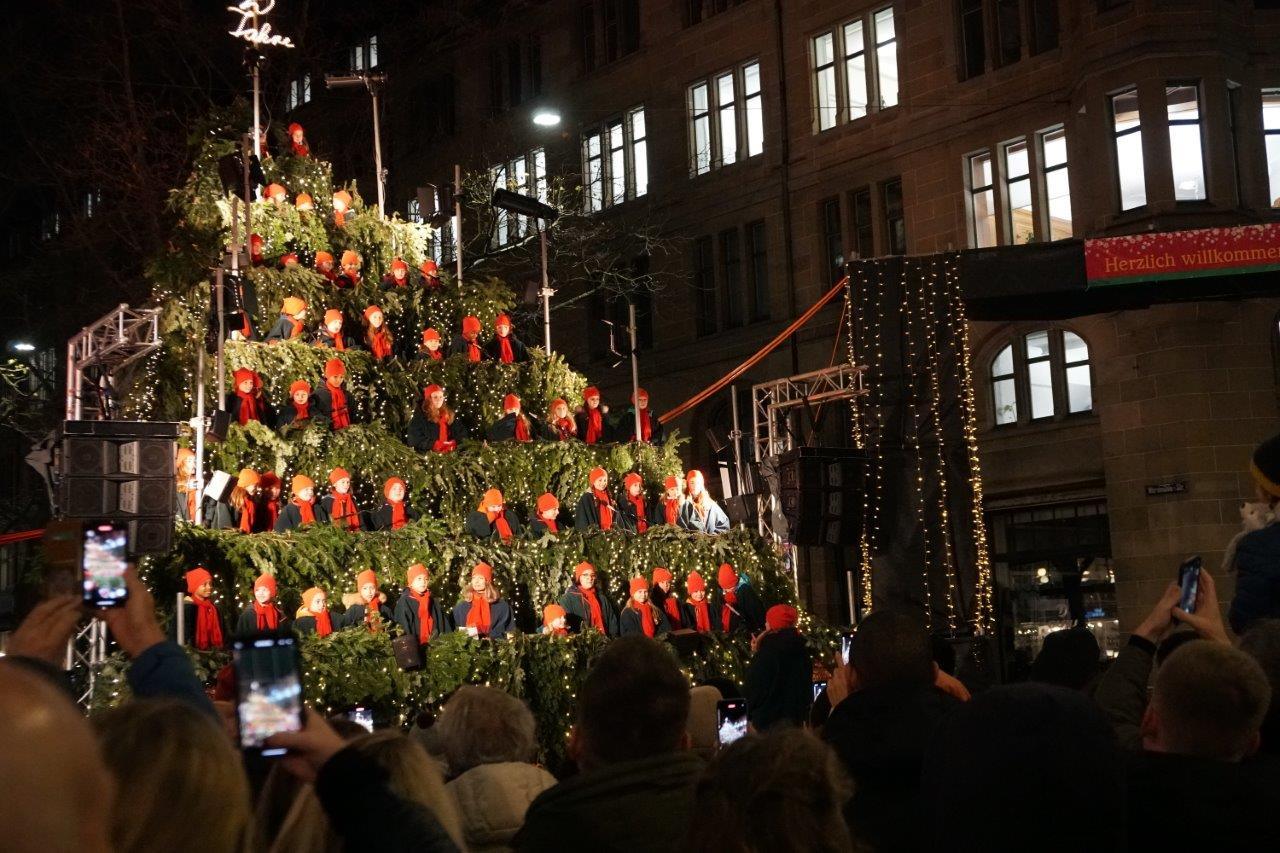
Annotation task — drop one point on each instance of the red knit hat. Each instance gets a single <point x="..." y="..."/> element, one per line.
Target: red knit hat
<point x="430" y="335"/>
<point x="589" y="392"/>
<point x="288" y="259"/>
<point x="304" y="201"/>
<point x="781" y="616"/>
<point x="631" y="479"/>
<point x="248" y="477"/>
<point x="470" y="325"/>
<point x="547" y="502"/>
<point x="641" y="393"/>
<point x="338" y="474"/>
<point x="242" y="374"/>
<point x="300" y="482"/>
<point x="350" y="257"/>
<point x="556" y="403"/>
<point x="584" y="566"/>
<point x="398" y="264"/>
<point x="695" y="583"/>
<point x="300" y="385"/>
<point x="344" y="197"/>
<point x="367" y="576"/>
<point x="428" y="267"/>
<point x="334" y="368"/>
<point x="551" y="613"/>
<point x="492" y="497"/>
<point x="197" y="578"/>
<point x="294" y="128"/>
<point x="671" y="483"/>
<point x="274" y="190"/>
<point x="510" y="403"/>
<point x="293" y="305"/>
<point x="727" y="578"/>
<point x="596" y="473"/>
<point x="694" y="475"/>
<point x="638" y="584"/>
<point x="331" y="315"/>
<point x="429" y="390"/>
<point x="417" y="570"/>
<point x="371" y="310"/>
<point x="265" y="580"/>
<point x="323" y="256"/>
<point x="501" y="320"/>
<point x="391" y="482"/>
<point x="660" y="574"/>
<point x="268" y="480"/>
<point x="484" y="570"/>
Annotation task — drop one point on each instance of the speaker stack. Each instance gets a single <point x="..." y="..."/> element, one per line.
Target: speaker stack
<point x="120" y="471"/>
<point x="820" y="489"/>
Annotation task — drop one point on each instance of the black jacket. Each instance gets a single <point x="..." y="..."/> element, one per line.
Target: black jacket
<point x="500" y="621"/>
<point x="1257" y="593"/>
<point x="519" y="351"/>
<point x="460" y="345"/>
<point x="478" y="524"/>
<point x="749" y="615"/>
<point x="631" y="622"/>
<point x="219" y="515"/>
<point x="322" y="403"/>
<point x="248" y="622"/>
<point x="625" y="430"/>
<point x="504" y="429"/>
<point x="288" y="416"/>
<point x="578" y="612"/>
<point x="283" y="329"/>
<point x="189" y="624"/>
<point x="307" y="624"/>
<point x="628" y="512"/>
<point x="779" y="683"/>
<point x="538" y="528"/>
<point x="291" y="517"/>
<point x="326" y="504"/>
<point x="248" y="300"/>
<point x="606" y="426"/>
<point x="406" y="616"/>
<point x="424" y="433"/>
<point x="266" y="412"/>
<point x="587" y="515"/>
<point x="380" y="519"/>
<point x="659" y="599"/>
<point x="354" y="617"/>
<point x="322" y="338"/>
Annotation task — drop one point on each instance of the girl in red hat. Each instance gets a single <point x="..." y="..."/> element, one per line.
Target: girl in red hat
<point x="298" y="411"/>
<point x="593" y="428"/>
<point x="482" y="612"/>
<point x="398" y="277"/>
<point x="506" y="347"/>
<point x="698" y="607"/>
<point x="560" y="421"/>
<point x="595" y="507"/>
<point x="700" y="512"/>
<point x="341" y="207"/>
<point x="515" y="425"/>
<point x="370" y="610"/>
<point x="546" y="518"/>
<point x="430" y="278"/>
<point x="587" y="608"/>
<point x="339" y="505"/>
<point x="640" y="616"/>
<point x="493" y="520"/>
<point x="740" y="608"/>
<point x="650" y="428"/>
<point x="298" y="141"/>
<point x="264" y="615"/>
<point x="667" y="510"/>
<point x="269" y="487"/>
<point x="665" y="600"/>
<point x="554" y="621"/>
<point x="418" y="612"/>
<point x="350" y="263"/>
<point x="376" y="334"/>
<point x="302" y="508"/>
<point x="289" y="325"/>
<point x="634" y="513"/>
<point x="202" y="624"/>
<point x="331" y="400"/>
<point x="468" y="342"/>
<point x="432" y="348"/>
<point x="324" y="266"/>
<point x="313" y="617"/>
<point x="331" y="334"/>
<point x="248" y="403"/>
<point x="304" y="203"/>
<point x="396" y="511"/>
<point x="238" y="510"/>
<point x="434" y="426"/>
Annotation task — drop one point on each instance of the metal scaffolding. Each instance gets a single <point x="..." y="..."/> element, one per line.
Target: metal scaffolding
<point x="771" y="399"/>
<point x="98" y="350"/>
<point x="86" y="650"/>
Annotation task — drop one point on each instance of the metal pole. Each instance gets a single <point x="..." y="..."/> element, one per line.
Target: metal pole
<point x="257" y="104"/>
<point x="219" y="292"/>
<point x="457" y="219"/>
<point x="546" y="292"/>
<point x="736" y="435"/>
<point x="200" y="432"/>
<point x="73" y="379"/>
<point x="377" y="154"/>
<point x="635" y="370"/>
<point x="181" y="615"/>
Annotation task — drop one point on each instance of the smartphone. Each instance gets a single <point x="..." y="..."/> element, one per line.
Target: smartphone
<point x="846" y="643"/>
<point x="731" y="720"/>
<point x="103" y="561"/>
<point x="818" y="687"/>
<point x="268" y="690"/>
<point x="1189" y="580"/>
<point x="362" y="717"/>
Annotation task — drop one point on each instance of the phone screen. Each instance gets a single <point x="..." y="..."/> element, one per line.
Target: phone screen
<point x="362" y="717"/>
<point x="731" y="720"/>
<point x="1189" y="580"/>
<point x="818" y="687"/>
<point x="102" y="564"/>
<point x="268" y="690"/>
<point x="846" y="643"/>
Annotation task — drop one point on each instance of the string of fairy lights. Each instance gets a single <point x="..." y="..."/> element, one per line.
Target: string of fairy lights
<point x="911" y="375"/>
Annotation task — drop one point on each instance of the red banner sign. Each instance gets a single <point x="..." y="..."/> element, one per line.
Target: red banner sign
<point x="1182" y="254"/>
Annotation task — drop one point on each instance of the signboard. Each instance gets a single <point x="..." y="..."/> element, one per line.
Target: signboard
<point x="1182" y="254"/>
<point x="253" y="30"/>
<point x="1175" y="488"/>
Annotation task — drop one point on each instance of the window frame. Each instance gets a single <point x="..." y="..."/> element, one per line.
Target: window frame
<point x="363" y="55"/>
<point x="871" y="55"/>
<point x="1008" y="180"/>
<point x="1016" y="339"/>
<point x="531" y="166"/>
<point x="1273" y="180"/>
<point x="630" y="148"/>
<point x="713" y="116"/>
<point x="1044" y="217"/>
<point x="972" y="192"/>
<point x="1198" y="123"/>
<point x="299" y="92"/>
<point x="1116" y="135"/>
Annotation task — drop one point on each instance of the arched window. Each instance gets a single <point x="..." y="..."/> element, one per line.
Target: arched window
<point x="1041" y="375"/>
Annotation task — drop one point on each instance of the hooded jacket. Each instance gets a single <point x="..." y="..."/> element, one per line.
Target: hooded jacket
<point x="492" y="800"/>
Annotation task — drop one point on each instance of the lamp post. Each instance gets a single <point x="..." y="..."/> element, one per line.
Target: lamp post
<point x="370" y="82"/>
<point x="546" y="214"/>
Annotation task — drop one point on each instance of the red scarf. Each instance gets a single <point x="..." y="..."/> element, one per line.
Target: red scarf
<point x="339" y="341"/>
<point x="522" y="429"/>
<point x="248" y="407"/>
<point x="565" y="428"/>
<point x="593" y="608"/>
<point x="398" y="518"/>
<point x="499" y="520"/>
<point x="645" y="429"/>
<point x="208" y="631"/>
<point x="473" y="351"/>
<point x="344" y="513"/>
<point x="341" y="417"/>
<point x="672" y="607"/>
<point x="730" y="598"/>
<point x="373" y="615"/>
<point x="671" y="510"/>
<point x="191" y="505"/>
<point x="273" y="512"/>
<point x="297" y="327"/>
<point x="701" y="616"/>
<point x="551" y="524"/>
<point x="507" y="355"/>
<point x="302" y="411"/>
<point x="305" y="509"/>
<point x="642" y="521"/>
<point x="245" y="328"/>
<point x="380" y="344"/>
<point x="268" y="616"/>
<point x="478" y="616"/>
<point x="435" y="355"/>
<point x="604" y="507"/>
<point x="595" y="426"/>
<point x="246" y="516"/>
<point x="646" y="616"/>
<point x="443" y="443"/>
<point x="299" y="151"/>
<point x="425" y="622"/>
<point x="324" y="627"/>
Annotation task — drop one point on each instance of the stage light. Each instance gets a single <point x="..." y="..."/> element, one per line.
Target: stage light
<point x="546" y="118"/>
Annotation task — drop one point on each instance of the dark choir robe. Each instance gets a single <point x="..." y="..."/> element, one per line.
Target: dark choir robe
<point x="689" y="612"/>
<point x="715" y="521"/>
<point x="538" y="528"/>
<point x="505" y="428"/>
<point x="587" y="515"/>
<point x="519" y="352"/>
<point x="354" y="617"/>
<point x="307" y="624"/>
<point x="578" y="612"/>
<point x="266" y="413"/>
<point x="324" y="339"/>
<point x="326" y="504"/>
<point x="749" y="616"/>
<point x="248" y="622"/>
<point x="189" y="624"/>
<point x="606" y="426"/>
<point x="672" y="609"/>
<point x="380" y="519"/>
<point x="461" y="346"/>
<point x="423" y="354"/>
<point x="406" y="616"/>
<point x="478" y="525"/>
<point x="322" y="403"/>
<point x="424" y="433"/>
<point x="626" y="427"/>
<point x="219" y="515"/>
<point x="291" y="516"/>
<point x="283" y="331"/>
<point x="344" y="281"/>
<point x="658" y="511"/>
<point x="500" y="622"/>
<point x="632" y="622"/>
<point x="288" y="416"/>
<point x="628" y="512"/>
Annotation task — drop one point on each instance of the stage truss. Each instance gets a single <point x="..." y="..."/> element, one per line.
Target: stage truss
<point x="97" y="351"/>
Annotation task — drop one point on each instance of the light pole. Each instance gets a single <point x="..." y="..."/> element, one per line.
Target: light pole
<point x="370" y="82"/>
<point x="545" y="214"/>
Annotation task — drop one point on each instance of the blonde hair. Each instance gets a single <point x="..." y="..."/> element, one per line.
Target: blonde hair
<point x="171" y="764"/>
<point x="306" y="828"/>
<point x="414" y="776"/>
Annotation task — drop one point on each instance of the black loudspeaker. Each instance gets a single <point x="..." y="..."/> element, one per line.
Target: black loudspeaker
<point x="218" y="423"/>
<point x="743" y="509"/>
<point x="820" y="493"/>
<point x="120" y="471"/>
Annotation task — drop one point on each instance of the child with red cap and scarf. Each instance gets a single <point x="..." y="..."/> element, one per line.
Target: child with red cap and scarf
<point x="350" y="261"/>
<point x="560" y="421"/>
<point x="396" y="511"/>
<point x="665" y="600"/>
<point x="331" y="401"/>
<point x="269" y="487"/>
<point x="650" y="428"/>
<point x="634" y="513"/>
<point x="313" y="617"/>
<point x="248" y="402"/>
<point x="593" y="427"/>
<point x="289" y="325"/>
<point x="370" y="611"/>
<point x="588" y="608"/>
<point x="432" y="348"/>
<point x="339" y="504"/>
<point x="467" y="344"/>
<point x="595" y="507"/>
<point x="482" y="612"/>
<point x="331" y="333"/>
<point x="667" y="510"/>
<point x="698" y="607"/>
<point x="506" y="347"/>
<point x="740" y="608"/>
<point x="202" y="624"/>
<point x="298" y="141"/>
<point x="515" y="425"/>
<point x="430" y="278"/>
<point x="553" y="621"/>
<point x="299" y="412"/>
<point x="324" y="266"/>
<point x="546" y="517"/>
<point x="434" y="426"/>
<point x="492" y="519"/>
<point x="418" y="612"/>
<point x="302" y="508"/>
<point x="640" y="616"/>
<point x="263" y="616"/>
<point x="398" y="277"/>
<point x="239" y="510"/>
<point x="377" y="336"/>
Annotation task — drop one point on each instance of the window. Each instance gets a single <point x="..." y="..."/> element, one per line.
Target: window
<point x="982" y="200"/>
<point x="413" y="211"/>
<point x="299" y="92"/>
<point x="515" y="72"/>
<point x="1055" y="188"/>
<point x="737" y="131"/>
<point x="615" y="162"/>
<point x="1127" y="135"/>
<point x="863" y="230"/>
<point x="1185" y="151"/>
<point x="1271" y="136"/>
<point x="90" y="202"/>
<point x="587" y="26"/>
<point x="731" y="275"/>
<point x="610" y="30"/>
<point x="364" y="56"/>
<point x="697" y="11"/>
<point x="1041" y="375"/>
<point x="973" y="42"/>
<point x="895" y="222"/>
<point x="832" y="239"/>
<point x="866" y="77"/>
<point x="704" y="285"/>
<point x="1008" y="31"/>
<point x="1019" y="224"/>
<point x="758" y="248"/>
<point x="1044" y="26"/>
<point x="526" y="175"/>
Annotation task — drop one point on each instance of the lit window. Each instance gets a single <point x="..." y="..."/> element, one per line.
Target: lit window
<point x="737" y="132"/>
<point x="753" y="107"/>
<point x="982" y="200"/>
<point x="502" y="218"/>
<point x="728" y="123"/>
<point x="615" y="161"/>
<point x="1019" y="220"/>
<point x="1056" y="188"/>
<point x="1185" y="151"/>
<point x="526" y="175"/>
<point x="1271" y="132"/>
<point x="593" y="196"/>
<point x="299" y="92"/>
<point x="855" y="70"/>
<point x="1075" y="359"/>
<point x="1127" y="135"/>
<point x="824" y="69"/>
<point x="364" y="56"/>
<point x="863" y="81"/>
<point x="886" y="57"/>
<point x="413" y="211"/>
<point x="90" y="202"/>
<point x="700" y="118"/>
<point x="639" y="152"/>
<point x="1003" y="385"/>
<point x="1041" y="375"/>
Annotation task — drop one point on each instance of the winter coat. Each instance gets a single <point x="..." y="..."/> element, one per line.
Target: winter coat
<point x="606" y="426"/>
<point x="291" y="517"/>
<point x="501" y="623"/>
<point x="164" y="671"/>
<point x="406" y="616"/>
<point x="283" y="331"/>
<point x="219" y="515"/>
<point x="715" y="521"/>
<point x="326" y="504"/>
<point x="322" y="338"/>
<point x="247" y="624"/>
<point x="587" y="515"/>
<point x="578" y="612"/>
<point x="1258" y="579"/>
<point x="307" y="624"/>
<point x="519" y="351"/>
<point x="538" y="528"/>
<point x="288" y="416"/>
<point x="492" y="800"/>
<point x="460" y="346"/>
<point x="1122" y="690"/>
<point x="380" y="519"/>
<point x="626" y="427"/>
<point x="779" y="683"/>
<point x="354" y="617"/>
<point x="322" y="403"/>
<point x="749" y="616"/>
<point x="423" y="433"/>
<point x="478" y="525"/>
<point x="631" y="622"/>
<point x="266" y="412"/>
<point x="504" y="429"/>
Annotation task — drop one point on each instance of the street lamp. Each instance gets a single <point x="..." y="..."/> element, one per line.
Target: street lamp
<point x="546" y="118"/>
<point x="370" y="82"/>
<point x="534" y="209"/>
